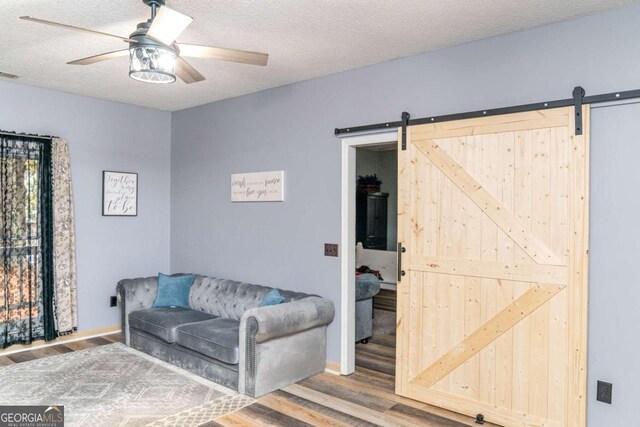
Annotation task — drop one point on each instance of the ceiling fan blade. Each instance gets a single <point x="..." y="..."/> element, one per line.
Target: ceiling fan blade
<point x="187" y="73"/>
<point x="196" y="51"/>
<point x="168" y="25"/>
<point x="73" y="27"/>
<point x="99" y="58"/>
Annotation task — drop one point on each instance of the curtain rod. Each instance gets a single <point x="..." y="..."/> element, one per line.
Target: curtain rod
<point x="27" y="135"/>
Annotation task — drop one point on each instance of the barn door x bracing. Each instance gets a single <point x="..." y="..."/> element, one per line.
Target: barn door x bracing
<point x="492" y="306"/>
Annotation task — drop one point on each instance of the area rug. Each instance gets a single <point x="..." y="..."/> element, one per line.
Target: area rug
<point x="114" y="385"/>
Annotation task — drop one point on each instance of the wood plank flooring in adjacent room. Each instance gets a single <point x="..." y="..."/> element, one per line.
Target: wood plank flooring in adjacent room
<point x="365" y="398"/>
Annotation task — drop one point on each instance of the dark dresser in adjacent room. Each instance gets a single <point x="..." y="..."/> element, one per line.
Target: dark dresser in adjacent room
<point x="371" y="219"/>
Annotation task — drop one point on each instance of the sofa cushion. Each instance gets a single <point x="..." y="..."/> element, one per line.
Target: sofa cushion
<point x="162" y="322"/>
<point x="216" y="338"/>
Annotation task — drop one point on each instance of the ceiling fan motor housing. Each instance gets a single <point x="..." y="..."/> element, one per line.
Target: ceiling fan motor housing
<point x="141" y="39"/>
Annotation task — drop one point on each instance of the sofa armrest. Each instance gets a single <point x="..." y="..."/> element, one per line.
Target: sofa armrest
<point x="282" y="344"/>
<point x="367" y="286"/>
<point x="133" y="295"/>
<point x="280" y="320"/>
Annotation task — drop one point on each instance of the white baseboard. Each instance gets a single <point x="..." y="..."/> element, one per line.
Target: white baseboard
<point x="76" y="336"/>
<point x="332" y="367"/>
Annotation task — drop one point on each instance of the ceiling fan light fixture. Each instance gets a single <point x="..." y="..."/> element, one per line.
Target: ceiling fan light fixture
<point x="152" y="64"/>
<point x="154" y="54"/>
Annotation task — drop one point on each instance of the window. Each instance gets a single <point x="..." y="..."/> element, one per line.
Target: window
<point x="25" y="239"/>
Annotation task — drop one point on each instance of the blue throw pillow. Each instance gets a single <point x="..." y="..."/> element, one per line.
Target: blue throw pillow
<point x="173" y="291"/>
<point x="272" y="297"/>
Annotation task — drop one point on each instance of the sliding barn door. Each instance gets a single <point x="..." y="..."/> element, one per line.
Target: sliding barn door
<point x="492" y="306"/>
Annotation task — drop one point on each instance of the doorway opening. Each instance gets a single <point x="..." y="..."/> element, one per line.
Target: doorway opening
<point x="369" y="240"/>
<point x="376" y="240"/>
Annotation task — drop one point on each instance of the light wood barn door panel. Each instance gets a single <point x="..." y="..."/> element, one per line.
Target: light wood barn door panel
<point x="493" y="213"/>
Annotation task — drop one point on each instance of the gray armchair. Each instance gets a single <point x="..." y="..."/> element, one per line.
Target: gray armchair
<point x="367" y="286"/>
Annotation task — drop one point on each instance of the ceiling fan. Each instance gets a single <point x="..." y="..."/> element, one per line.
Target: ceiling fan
<point x="154" y="54"/>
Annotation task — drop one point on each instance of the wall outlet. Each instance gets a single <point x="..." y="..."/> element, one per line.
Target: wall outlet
<point x="604" y="392"/>
<point x="113" y="301"/>
<point x="330" y="249"/>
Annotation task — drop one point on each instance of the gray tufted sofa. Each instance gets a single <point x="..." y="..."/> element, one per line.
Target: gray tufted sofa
<point x="225" y="336"/>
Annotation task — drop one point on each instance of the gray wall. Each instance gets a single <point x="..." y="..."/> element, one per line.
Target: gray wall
<point x="614" y="309"/>
<point x="104" y="135"/>
<point x="383" y="163"/>
<point x="291" y="128"/>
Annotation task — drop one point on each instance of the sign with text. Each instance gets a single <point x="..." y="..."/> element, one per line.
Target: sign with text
<point x="119" y="193"/>
<point x="257" y="187"/>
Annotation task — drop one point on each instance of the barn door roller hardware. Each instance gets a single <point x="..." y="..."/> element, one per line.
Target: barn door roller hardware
<point x="405" y="122"/>
<point x="578" y="96"/>
<point x="577" y="100"/>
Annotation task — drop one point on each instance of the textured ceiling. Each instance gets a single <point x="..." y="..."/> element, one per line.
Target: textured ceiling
<point x="305" y="39"/>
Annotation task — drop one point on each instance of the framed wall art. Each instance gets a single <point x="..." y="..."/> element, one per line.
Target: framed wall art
<point x="257" y="187"/>
<point x="119" y="193"/>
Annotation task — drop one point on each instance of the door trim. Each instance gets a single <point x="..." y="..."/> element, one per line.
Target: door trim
<point x="348" y="241"/>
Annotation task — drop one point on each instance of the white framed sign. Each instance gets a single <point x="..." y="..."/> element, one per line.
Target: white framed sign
<point x="119" y="193"/>
<point x="257" y="187"/>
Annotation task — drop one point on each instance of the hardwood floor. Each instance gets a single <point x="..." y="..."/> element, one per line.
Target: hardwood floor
<point x="365" y="398"/>
<point x="386" y="299"/>
<point x="58" y="349"/>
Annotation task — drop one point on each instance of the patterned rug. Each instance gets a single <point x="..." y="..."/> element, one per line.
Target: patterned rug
<point x="114" y="385"/>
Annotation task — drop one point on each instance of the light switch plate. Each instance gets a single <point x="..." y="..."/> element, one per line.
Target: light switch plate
<point x="330" y="249"/>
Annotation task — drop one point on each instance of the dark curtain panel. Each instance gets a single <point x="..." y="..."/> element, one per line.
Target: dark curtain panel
<point x="26" y="240"/>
